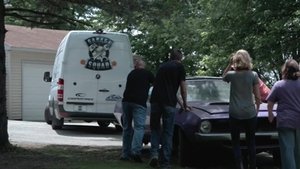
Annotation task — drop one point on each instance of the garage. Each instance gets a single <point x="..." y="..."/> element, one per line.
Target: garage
<point x="29" y="53"/>
<point x="34" y="91"/>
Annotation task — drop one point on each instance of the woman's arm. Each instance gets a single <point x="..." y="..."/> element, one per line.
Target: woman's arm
<point x="270" y="111"/>
<point x="228" y="68"/>
<point x="257" y="96"/>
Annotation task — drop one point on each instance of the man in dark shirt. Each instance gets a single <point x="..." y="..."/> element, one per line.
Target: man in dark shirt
<point x="170" y="76"/>
<point x="134" y="109"/>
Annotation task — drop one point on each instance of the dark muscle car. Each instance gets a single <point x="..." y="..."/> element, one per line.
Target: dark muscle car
<point x="207" y="123"/>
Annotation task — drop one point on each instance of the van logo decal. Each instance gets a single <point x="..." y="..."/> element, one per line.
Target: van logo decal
<point x="113" y="97"/>
<point x="99" y="53"/>
<point x="80" y="94"/>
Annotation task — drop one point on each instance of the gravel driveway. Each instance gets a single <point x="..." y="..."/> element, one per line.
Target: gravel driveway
<point x="83" y="134"/>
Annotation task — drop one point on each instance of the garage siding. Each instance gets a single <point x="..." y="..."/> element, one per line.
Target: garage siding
<point x="14" y="76"/>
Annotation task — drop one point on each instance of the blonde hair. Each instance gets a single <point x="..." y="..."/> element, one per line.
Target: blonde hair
<point x="241" y="60"/>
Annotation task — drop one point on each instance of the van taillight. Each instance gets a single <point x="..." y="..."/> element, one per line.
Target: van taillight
<point x="60" y="90"/>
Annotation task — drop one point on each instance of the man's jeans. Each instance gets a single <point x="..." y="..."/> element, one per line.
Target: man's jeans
<point x="133" y="137"/>
<point x="236" y="127"/>
<point x="289" y="141"/>
<point x="167" y="113"/>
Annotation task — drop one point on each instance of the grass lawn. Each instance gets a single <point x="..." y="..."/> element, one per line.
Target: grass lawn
<point x="68" y="157"/>
<point x="79" y="157"/>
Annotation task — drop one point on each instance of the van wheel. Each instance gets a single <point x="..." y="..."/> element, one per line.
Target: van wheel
<point x="57" y="123"/>
<point x="103" y="123"/>
<point x="47" y="116"/>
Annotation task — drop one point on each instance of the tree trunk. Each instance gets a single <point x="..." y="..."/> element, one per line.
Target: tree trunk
<point x="3" y="111"/>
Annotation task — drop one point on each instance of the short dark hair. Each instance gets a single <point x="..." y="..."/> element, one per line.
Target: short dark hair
<point x="175" y="54"/>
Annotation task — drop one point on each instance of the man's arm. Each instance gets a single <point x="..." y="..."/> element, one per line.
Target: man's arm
<point x="183" y="94"/>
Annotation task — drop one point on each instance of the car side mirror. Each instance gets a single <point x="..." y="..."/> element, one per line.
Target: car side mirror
<point x="47" y="77"/>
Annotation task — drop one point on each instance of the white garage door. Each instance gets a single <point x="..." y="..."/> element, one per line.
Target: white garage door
<point x="34" y="91"/>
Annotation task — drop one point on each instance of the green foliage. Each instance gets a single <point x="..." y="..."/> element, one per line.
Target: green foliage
<point x="267" y="29"/>
<point x="207" y="31"/>
<point x="54" y="14"/>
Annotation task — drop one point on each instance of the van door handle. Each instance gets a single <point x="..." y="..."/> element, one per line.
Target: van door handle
<point x="103" y="90"/>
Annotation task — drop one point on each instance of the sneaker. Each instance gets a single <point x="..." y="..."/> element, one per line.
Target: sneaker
<point x="136" y="158"/>
<point x="154" y="162"/>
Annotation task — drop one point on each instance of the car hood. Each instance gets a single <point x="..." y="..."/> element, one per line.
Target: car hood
<point x="216" y="108"/>
<point x="219" y="109"/>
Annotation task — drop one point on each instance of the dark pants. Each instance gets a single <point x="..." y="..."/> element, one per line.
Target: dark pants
<point x="249" y="126"/>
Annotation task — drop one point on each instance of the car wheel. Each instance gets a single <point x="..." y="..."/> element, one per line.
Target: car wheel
<point x="103" y="123"/>
<point x="57" y="123"/>
<point x="184" y="150"/>
<point x="47" y="116"/>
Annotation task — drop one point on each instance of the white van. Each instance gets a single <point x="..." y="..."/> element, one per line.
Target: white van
<point x="88" y="77"/>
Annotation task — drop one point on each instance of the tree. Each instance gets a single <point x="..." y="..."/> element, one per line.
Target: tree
<point x="51" y="14"/>
<point x="269" y="30"/>
<point x="157" y="27"/>
<point x="3" y="113"/>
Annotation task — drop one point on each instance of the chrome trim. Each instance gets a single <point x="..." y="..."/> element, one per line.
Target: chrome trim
<point x="273" y="135"/>
<point x="81" y="103"/>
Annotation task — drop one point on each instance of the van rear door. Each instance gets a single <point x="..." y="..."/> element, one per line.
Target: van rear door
<point x="95" y="71"/>
<point x="112" y="82"/>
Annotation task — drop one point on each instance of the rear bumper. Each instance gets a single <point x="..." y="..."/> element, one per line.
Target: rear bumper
<point x="85" y="115"/>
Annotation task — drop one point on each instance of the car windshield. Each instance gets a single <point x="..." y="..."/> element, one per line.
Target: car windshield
<point x="207" y="90"/>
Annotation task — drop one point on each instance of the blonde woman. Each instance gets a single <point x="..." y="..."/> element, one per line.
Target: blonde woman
<point x="244" y="83"/>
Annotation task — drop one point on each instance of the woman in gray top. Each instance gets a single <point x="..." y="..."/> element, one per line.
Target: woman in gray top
<point x="243" y="107"/>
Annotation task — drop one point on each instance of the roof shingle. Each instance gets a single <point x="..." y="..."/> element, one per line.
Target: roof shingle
<point x="33" y="38"/>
